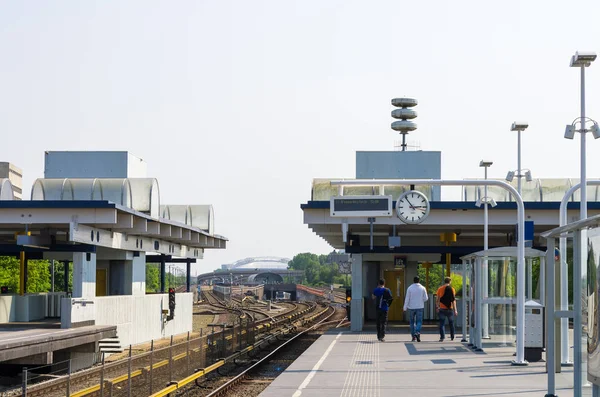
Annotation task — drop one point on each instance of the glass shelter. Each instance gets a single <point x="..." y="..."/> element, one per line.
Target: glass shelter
<point x="584" y="238"/>
<point x="490" y="283"/>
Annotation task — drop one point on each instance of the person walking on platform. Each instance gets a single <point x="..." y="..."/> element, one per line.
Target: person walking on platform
<point x="446" y="307"/>
<point x="416" y="296"/>
<point x="383" y="299"/>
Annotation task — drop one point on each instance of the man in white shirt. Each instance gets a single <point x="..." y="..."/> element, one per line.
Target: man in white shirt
<point x="414" y="302"/>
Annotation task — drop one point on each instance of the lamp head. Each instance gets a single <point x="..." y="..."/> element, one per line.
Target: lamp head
<point x="569" y="131"/>
<point x="519" y="126"/>
<point x="595" y="131"/>
<point x="510" y="176"/>
<point x="583" y="58"/>
<point x="484" y="163"/>
<point x="528" y="177"/>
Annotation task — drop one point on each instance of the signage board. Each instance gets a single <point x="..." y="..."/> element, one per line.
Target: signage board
<point x="361" y="206"/>
<point x="399" y="262"/>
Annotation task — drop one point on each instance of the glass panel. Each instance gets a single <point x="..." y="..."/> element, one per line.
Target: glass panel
<point x="591" y="289"/>
<point x="554" y="189"/>
<point x="502" y="321"/>
<point x="502" y="277"/>
<point x="322" y="190"/>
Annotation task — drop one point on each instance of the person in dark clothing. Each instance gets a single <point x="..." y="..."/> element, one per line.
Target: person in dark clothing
<point x="383" y="299"/>
<point x="446" y="306"/>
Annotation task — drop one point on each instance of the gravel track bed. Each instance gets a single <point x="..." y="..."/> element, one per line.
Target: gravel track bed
<point x="261" y="377"/>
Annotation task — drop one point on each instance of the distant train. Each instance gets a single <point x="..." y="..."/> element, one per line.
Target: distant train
<point x="281" y="295"/>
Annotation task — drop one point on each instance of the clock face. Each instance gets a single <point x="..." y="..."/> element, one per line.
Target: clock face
<point x="412" y="207"/>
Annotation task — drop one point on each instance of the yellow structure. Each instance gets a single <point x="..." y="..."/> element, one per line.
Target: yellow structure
<point x="448" y="238"/>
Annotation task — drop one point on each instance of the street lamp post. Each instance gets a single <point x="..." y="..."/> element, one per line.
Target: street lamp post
<point x="580" y="60"/>
<point x="519" y="127"/>
<point x="485" y="201"/>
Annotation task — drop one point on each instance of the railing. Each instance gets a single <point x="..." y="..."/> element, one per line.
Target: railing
<point x="164" y="361"/>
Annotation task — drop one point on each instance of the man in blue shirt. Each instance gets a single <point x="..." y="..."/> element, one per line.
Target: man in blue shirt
<point x="383" y="298"/>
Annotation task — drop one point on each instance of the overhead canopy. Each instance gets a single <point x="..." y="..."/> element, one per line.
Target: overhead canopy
<point x="499" y="252"/>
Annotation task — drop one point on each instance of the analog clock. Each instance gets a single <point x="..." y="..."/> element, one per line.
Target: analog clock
<point x="412" y="207"/>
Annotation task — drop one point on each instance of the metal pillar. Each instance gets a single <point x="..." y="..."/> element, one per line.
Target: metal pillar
<point x="52" y="275"/>
<point x="529" y="267"/>
<point x="24" y="266"/>
<point x="578" y="239"/>
<point x="188" y="277"/>
<point x="550" y="290"/>
<point x="519" y="161"/>
<point x="66" y="276"/>
<point x="478" y="304"/>
<point x="464" y="301"/>
<point x="162" y="273"/>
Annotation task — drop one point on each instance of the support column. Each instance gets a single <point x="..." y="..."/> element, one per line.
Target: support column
<point x="52" y="275"/>
<point x="25" y="266"/>
<point x="463" y="300"/>
<point x="356" y="305"/>
<point x="84" y="275"/>
<point x="66" y="275"/>
<point x="162" y="273"/>
<point x="138" y="279"/>
<point x="188" y="276"/>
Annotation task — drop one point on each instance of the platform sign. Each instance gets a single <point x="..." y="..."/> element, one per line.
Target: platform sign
<point x="361" y="206"/>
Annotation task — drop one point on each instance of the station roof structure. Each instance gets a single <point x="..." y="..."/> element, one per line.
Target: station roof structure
<point x="77" y="226"/>
<point x="542" y="202"/>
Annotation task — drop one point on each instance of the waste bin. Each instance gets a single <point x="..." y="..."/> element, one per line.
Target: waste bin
<point x="534" y="331"/>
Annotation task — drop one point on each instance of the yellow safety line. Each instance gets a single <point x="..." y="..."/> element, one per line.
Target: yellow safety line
<point x="189" y="379"/>
<point x="86" y="391"/>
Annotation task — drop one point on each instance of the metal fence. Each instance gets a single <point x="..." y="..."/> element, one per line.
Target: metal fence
<point x="141" y="373"/>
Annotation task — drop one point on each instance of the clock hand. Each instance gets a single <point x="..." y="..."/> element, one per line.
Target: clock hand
<point x="409" y="203"/>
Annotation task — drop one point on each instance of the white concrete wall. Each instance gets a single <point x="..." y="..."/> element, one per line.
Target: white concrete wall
<point x="7" y="308"/>
<point x="84" y="275"/>
<point x="22" y="308"/>
<point x="138" y="318"/>
<point x="76" y="310"/>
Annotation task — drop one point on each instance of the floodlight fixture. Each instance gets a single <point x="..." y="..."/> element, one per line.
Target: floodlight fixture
<point x="484" y="163"/>
<point x="583" y="58"/>
<point x="595" y="130"/>
<point x="528" y="177"/>
<point x="519" y="126"/>
<point x="510" y="176"/>
<point x="485" y="200"/>
<point x="569" y="131"/>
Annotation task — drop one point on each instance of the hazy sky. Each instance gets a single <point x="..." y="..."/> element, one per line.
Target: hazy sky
<point x="241" y="103"/>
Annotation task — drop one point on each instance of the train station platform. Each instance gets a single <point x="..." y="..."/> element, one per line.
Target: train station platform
<point x="342" y="363"/>
<point x="22" y="340"/>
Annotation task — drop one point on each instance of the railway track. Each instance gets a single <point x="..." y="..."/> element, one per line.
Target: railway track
<point x="247" y="379"/>
<point x="113" y="378"/>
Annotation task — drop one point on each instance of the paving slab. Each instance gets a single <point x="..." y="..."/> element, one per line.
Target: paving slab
<point x="355" y="364"/>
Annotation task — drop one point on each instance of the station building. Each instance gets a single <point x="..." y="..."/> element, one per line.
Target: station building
<point x="386" y="247"/>
<point x="100" y="212"/>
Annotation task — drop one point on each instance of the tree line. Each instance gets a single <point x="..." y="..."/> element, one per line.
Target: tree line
<point x="318" y="270"/>
<point x="39" y="277"/>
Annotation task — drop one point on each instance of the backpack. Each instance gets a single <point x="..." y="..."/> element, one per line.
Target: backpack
<point x="387" y="296"/>
<point x="448" y="297"/>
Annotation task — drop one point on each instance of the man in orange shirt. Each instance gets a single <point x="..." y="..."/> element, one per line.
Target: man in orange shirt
<point x="446" y="307"/>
